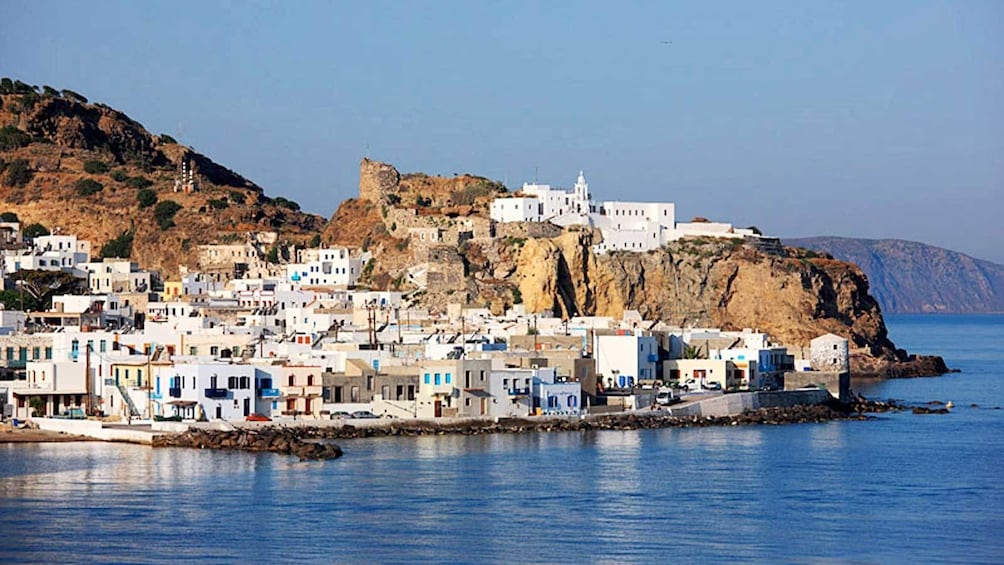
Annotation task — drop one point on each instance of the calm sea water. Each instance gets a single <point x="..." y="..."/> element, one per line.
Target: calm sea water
<point x="901" y="489"/>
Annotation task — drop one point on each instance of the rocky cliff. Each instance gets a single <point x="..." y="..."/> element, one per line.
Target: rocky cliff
<point x="911" y="277"/>
<point x="793" y="295"/>
<point x="81" y="168"/>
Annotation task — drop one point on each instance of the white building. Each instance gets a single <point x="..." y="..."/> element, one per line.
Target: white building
<point x="49" y="253"/>
<point x="325" y="267"/>
<point x="205" y="389"/>
<point x="115" y="275"/>
<point x="624" y="360"/>
<point x="625" y="226"/>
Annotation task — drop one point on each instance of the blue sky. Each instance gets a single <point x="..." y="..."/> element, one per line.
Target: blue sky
<point x="862" y="119"/>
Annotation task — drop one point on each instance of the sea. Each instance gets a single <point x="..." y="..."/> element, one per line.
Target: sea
<point x="900" y="488"/>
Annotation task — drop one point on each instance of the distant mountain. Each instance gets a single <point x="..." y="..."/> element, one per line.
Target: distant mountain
<point x="912" y="277"/>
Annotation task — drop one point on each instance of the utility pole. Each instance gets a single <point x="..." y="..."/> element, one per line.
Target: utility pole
<point x="87" y="378"/>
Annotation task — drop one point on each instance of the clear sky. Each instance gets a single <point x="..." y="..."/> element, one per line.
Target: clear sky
<point x="861" y="119"/>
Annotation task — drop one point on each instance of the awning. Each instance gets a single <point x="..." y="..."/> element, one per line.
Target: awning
<point x="182" y="403"/>
<point x="480" y="393"/>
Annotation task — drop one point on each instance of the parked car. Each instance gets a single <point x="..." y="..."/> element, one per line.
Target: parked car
<point x="257" y="418"/>
<point x="665" y="397"/>
<point x="363" y="415"/>
<point x="712" y="386"/>
<point x="339" y="414"/>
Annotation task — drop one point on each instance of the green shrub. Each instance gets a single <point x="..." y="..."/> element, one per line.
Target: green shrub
<point x="87" y="187"/>
<point x="13" y="138"/>
<point x="164" y="138"/>
<point x="218" y="203"/>
<point x="138" y="182"/>
<point x="164" y="213"/>
<point x="273" y="255"/>
<point x="35" y="230"/>
<point x="315" y="241"/>
<point x="237" y="198"/>
<point x="120" y="247"/>
<point x="18" y="173"/>
<point x="95" y="167"/>
<point x="9" y="217"/>
<point x="119" y="175"/>
<point x="146" y="198"/>
<point x="285" y="203"/>
<point x="67" y="93"/>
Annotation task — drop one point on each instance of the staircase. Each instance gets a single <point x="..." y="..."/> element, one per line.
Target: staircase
<point x="128" y="400"/>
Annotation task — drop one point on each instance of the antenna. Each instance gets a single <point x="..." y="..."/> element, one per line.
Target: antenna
<point x="536" y="171"/>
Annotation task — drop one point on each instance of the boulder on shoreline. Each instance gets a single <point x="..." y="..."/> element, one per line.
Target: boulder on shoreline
<point x="289" y="441"/>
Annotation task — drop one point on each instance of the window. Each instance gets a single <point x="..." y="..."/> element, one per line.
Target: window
<point x="426" y="378"/>
<point x="291" y="380"/>
<point x="232" y="382"/>
<point x="354" y="392"/>
<point x="36" y="353"/>
<point x="448" y="378"/>
<point x="438" y="379"/>
<point x="48" y="352"/>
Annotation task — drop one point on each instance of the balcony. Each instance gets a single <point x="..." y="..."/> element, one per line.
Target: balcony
<point x="312" y="390"/>
<point x="156" y="396"/>
<point x="268" y="393"/>
<point x="653" y="358"/>
<point x="525" y="391"/>
<point x="174" y="392"/>
<point x="216" y="392"/>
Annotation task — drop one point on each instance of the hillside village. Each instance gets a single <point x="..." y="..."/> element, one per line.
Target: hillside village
<point x="247" y="336"/>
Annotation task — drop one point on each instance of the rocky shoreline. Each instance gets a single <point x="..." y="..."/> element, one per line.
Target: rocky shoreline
<point x="274" y="439"/>
<point x="305" y="441"/>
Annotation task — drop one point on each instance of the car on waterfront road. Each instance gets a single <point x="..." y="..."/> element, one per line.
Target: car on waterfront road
<point x="363" y="415"/>
<point x="665" y="397"/>
<point x="340" y="414"/>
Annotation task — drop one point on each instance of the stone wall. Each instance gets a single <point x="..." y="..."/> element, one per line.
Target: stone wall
<point x="526" y="230"/>
<point x="838" y="384"/>
<point x="377" y="179"/>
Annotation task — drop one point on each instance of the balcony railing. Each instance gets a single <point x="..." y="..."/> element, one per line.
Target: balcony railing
<point x="216" y="393"/>
<point x="174" y="392"/>
<point x="525" y="391"/>
<point x="653" y="358"/>
<point x="268" y="393"/>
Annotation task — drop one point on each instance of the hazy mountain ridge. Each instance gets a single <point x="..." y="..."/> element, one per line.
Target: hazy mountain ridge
<point x="913" y="277"/>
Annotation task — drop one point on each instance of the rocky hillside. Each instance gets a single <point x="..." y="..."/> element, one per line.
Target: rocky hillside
<point x="911" y="277"/>
<point x="793" y="295"/>
<point x="90" y="170"/>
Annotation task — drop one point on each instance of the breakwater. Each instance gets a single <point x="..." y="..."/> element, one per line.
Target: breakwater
<point x="302" y="440"/>
<point x="275" y="439"/>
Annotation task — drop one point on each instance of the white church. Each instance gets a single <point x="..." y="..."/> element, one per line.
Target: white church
<point x="626" y="226"/>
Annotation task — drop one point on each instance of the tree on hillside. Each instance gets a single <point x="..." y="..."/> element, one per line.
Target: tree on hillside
<point x="74" y="96"/>
<point x="87" y="187"/>
<point x="18" y="173"/>
<point x="95" y="167"/>
<point x="9" y="217"/>
<point x="35" y="230"/>
<point x="120" y="247"/>
<point x="43" y="285"/>
<point x="138" y="182"/>
<point x="15" y="300"/>
<point x="12" y="138"/>
<point x="146" y="198"/>
<point x="164" y="213"/>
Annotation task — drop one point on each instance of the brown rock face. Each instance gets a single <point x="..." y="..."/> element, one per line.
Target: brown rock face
<point x="710" y="282"/>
